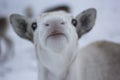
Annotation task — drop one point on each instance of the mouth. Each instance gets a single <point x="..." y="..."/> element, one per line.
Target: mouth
<point x="56" y="40"/>
<point x="55" y="34"/>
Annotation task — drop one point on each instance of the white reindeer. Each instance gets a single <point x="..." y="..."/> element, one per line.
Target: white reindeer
<point x="101" y="61"/>
<point x="55" y="36"/>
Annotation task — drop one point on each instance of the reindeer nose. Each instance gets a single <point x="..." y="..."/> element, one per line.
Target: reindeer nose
<point x="55" y="32"/>
<point x="55" y="26"/>
<point x="53" y="23"/>
<point x="56" y="29"/>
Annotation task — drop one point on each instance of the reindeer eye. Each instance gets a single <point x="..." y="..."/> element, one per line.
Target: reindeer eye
<point x="34" y="25"/>
<point x="74" y="22"/>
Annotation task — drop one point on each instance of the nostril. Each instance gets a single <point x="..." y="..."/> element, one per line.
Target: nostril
<point x="54" y="32"/>
<point x="47" y="25"/>
<point x="62" y="23"/>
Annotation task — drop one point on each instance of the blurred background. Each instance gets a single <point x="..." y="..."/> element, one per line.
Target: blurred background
<point x="22" y="66"/>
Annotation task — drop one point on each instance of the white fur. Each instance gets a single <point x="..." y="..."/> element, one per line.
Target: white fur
<point x="58" y="55"/>
<point x="55" y="55"/>
<point x="100" y="61"/>
<point x="66" y="61"/>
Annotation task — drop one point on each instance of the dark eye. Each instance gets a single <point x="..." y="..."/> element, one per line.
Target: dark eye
<point x="34" y="25"/>
<point x="74" y="22"/>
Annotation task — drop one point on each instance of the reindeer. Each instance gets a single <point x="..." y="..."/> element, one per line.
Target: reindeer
<point x="55" y="36"/>
<point x="6" y="39"/>
<point x="57" y="8"/>
<point x="29" y="12"/>
<point x="101" y="61"/>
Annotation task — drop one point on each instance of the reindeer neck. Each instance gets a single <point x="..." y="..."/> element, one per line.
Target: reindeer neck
<point x="57" y="64"/>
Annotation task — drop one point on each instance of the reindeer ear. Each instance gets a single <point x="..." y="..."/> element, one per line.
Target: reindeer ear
<point x="21" y="26"/>
<point x="86" y="21"/>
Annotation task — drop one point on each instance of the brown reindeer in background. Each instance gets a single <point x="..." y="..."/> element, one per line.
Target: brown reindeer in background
<point x="4" y="55"/>
<point x="28" y="11"/>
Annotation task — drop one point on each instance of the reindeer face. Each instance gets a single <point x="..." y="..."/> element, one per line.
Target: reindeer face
<point x="54" y="29"/>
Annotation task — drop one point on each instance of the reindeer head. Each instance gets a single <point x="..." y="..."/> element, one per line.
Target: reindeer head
<point x="54" y="29"/>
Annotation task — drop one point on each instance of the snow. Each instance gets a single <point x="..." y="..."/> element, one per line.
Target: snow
<point x="23" y="66"/>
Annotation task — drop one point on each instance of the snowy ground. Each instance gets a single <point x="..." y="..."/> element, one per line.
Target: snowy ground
<point x="23" y="65"/>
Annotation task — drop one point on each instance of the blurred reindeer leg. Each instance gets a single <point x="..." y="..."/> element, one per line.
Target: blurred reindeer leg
<point x="6" y="39"/>
<point x="3" y="28"/>
<point x="0" y="48"/>
<point x="9" y="53"/>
